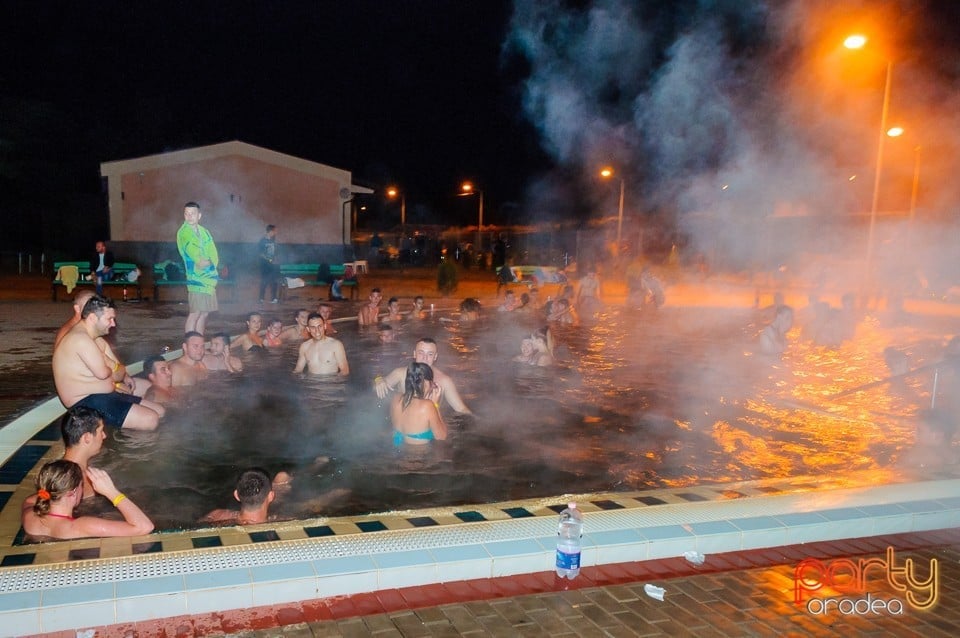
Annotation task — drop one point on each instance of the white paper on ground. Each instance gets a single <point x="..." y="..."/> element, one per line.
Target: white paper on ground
<point x="654" y="592"/>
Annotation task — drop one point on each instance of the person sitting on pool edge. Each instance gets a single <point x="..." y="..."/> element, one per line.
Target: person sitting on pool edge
<point x="425" y="351"/>
<point x="83" y="433"/>
<point x="49" y="512"/>
<point x="255" y="492"/>
<point x="415" y="414"/>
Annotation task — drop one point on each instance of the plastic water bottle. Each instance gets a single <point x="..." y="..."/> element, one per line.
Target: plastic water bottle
<point x="569" y="532"/>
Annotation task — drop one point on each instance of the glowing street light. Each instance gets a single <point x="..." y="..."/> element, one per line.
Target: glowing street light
<point x="393" y="192"/>
<point x="467" y="189"/>
<point x="858" y="41"/>
<point x="607" y="173"/>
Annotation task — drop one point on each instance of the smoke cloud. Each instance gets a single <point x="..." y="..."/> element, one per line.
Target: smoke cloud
<point x="722" y="116"/>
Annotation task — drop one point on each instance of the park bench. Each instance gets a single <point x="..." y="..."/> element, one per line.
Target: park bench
<point x="118" y="279"/>
<point x="161" y="280"/>
<point x="310" y="274"/>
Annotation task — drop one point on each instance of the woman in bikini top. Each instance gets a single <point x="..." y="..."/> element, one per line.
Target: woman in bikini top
<point x="415" y="414"/>
<point x="49" y="512"/>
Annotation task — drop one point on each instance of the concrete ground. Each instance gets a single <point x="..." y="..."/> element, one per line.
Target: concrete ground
<point x="741" y="594"/>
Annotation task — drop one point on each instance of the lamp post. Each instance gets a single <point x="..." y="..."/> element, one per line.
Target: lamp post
<point x="467" y="189"/>
<point x="858" y="42"/>
<point x="392" y="193"/>
<point x="607" y="173"/>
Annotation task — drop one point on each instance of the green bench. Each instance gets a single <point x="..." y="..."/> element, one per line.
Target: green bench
<point x="120" y="272"/>
<point x="160" y="280"/>
<point x="309" y="274"/>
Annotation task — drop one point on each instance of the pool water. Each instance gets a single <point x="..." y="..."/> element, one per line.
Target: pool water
<point x="636" y="401"/>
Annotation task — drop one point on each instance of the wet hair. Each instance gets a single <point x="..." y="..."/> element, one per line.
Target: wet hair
<point x="221" y="335"/>
<point x="189" y="335"/>
<point x="56" y="479"/>
<point x="524" y="299"/>
<point x="384" y="327"/>
<point x="192" y="205"/>
<point x="299" y="310"/>
<point x="375" y="290"/>
<point x="470" y="305"/>
<point x="315" y="315"/>
<point x="393" y="300"/>
<point x="271" y="227"/>
<point x="273" y="321"/>
<point x="149" y="363"/>
<point x="96" y="305"/>
<point x="253" y="486"/>
<point x="417" y="373"/>
<point x="427" y="340"/>
<point x="251" y="315"/>
<point x="78" y="421"/>
<point x="418" y="298"/>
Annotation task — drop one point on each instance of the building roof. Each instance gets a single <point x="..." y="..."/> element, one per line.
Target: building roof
<point x="213" y="151"/>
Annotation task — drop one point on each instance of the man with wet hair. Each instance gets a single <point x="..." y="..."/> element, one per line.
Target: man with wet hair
<point x="322" y="354"/>
<point x="83" y="435"/>
<point x="219" y="357"/>
<point x="157" y="370"/>
<point x="251" y="339"/>
<point x="85" y="375"/>
<point x="418" y="312"/>
<point x="188" y="368"/>
<point x="370" y="312"/>
<point x="255" y="492"/>
<point x="393" y="310"/>
<point x="425" y="351"/>
<point x="325" y="310"/>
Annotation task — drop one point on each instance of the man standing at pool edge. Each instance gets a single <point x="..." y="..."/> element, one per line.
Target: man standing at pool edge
<point x="200" y="261"/>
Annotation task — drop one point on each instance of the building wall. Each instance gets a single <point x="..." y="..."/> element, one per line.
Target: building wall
<point x="238" y="196"/>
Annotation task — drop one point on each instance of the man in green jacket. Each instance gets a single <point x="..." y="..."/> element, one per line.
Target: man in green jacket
<point x="200" y="261"/>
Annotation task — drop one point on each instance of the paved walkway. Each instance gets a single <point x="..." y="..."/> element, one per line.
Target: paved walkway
<point x="735" y="594"/>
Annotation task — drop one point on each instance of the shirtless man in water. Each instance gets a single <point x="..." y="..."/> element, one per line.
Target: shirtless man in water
<point x="370" y="312"/>
<point x="322" y="354"/>
<point x="188" y="368"/>
<point x="424" y="352"/>
<point x="83" y="376"/>
<point x="79" y="300"/>
<point x="219" y="357"/>
<point x="298" y="331"/>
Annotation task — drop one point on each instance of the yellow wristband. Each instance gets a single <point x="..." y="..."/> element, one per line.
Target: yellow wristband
<point x="377" y="378"/>
<point x="437" y="403"/>
<point x="118" y="499"/>
<point x="118" y="384"/>
<point x="116" y="366"/>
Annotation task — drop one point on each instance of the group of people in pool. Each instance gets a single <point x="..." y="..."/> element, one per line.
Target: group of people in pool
<point x="64" y="484"/>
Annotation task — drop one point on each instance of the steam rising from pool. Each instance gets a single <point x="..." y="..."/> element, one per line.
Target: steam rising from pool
<point x="747" y="127"/>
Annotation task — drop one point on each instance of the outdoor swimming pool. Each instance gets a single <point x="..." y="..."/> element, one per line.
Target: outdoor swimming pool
<point x="636" y="402"/>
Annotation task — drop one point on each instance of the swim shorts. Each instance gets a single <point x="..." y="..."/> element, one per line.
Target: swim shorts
<point x="113" y="406"/>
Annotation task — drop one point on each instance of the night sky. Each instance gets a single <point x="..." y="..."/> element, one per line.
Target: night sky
<point x="419" y="93"/>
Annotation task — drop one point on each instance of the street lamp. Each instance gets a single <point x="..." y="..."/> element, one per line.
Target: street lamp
<point x="858" y="42"/>
<point x="607" y="173"/>
<point x="467" y="189"/>
<point x="392" y="193"/>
